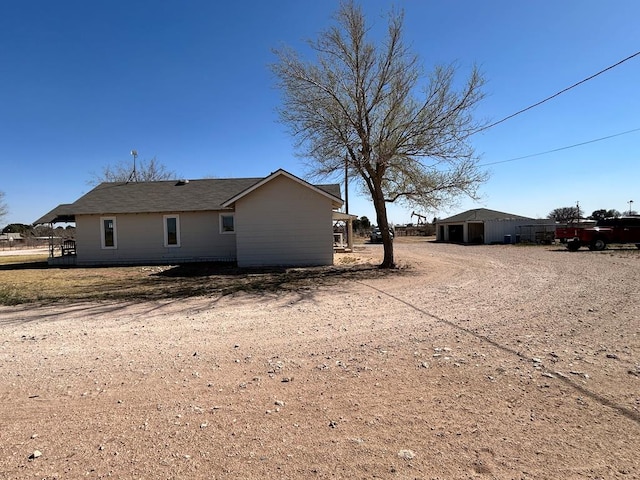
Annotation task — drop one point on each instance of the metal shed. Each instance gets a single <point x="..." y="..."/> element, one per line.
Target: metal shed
<point x="481" y="226"/>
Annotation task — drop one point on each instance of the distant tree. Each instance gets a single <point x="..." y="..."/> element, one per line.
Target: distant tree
<point x="146" y="171"/>
<point x="565" y="214"/>
<point x="4" y="209"/>
<point x="69" y="231"/>
<point x="17" y="228"/>
<point x="360" y="105"/>
<point x="63" y="232"/>
<point x="603" y="213"/>
<point x="361" y="223"/>
<point x="42" y="230"/>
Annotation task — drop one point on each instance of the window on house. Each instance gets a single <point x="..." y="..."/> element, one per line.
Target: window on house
<point x="171" y="231"/>
<point x="108" y="232"/>
<point x="227" y="224"/>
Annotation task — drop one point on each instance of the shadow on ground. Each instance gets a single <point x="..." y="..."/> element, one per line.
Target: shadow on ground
<point x="25" y="266"/>
<point x="226" y="279"/>
<point x="40" y="284"/>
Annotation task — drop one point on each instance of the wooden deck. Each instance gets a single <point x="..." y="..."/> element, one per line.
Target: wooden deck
<point x="67" y="253"/>
<point x="60" y="261"/>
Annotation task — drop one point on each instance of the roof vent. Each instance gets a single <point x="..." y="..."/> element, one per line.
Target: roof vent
<point x="182" y="181"/>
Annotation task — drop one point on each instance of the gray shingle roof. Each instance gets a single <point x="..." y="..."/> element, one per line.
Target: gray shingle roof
<point x="61" y="213"/>
<point x="482" y="214"/>
<point x="162" y="196"/>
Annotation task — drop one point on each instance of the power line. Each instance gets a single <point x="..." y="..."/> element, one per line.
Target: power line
<point x="559" y="93"/>
<point x="561" y="148"/>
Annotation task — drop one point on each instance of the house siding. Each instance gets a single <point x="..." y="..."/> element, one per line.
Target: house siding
<point x="140" y="239"/>
<point x="284" y="223"/>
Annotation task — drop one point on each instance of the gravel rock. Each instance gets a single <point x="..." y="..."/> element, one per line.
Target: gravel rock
<point x="406" y="454"/>
<point x="35" y="454"/>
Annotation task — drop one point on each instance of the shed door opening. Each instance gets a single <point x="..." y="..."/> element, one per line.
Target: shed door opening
<point x="456" y="233"/>
<point x="476" y="233"/>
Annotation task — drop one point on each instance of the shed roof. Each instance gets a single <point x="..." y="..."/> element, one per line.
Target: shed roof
<point x="481" y="215"/>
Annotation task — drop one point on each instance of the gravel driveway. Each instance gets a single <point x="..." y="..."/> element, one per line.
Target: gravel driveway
<point x="468" y="362"/>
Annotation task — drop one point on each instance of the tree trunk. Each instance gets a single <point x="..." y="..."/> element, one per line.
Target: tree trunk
<point x="383" y="223"/>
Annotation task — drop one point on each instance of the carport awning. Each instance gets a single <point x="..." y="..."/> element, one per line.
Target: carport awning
<point x="343" y="216"/>
<point x="61" y="214"/>
<point x="340" y="216"/>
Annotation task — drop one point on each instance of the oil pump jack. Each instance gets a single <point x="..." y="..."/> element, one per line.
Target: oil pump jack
<point x="422" y="220"/>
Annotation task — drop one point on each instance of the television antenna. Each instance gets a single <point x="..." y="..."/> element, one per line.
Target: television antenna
<point x="134" y="175"/>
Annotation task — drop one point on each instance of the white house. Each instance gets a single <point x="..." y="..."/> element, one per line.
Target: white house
<point x="273" y="221"/>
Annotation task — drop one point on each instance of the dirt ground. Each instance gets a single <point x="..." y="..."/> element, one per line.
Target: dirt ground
<point x="478" y="362"/>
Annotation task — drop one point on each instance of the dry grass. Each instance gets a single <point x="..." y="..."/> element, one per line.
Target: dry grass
<point x="28" y="279"/>
<point x="19" y="259"/>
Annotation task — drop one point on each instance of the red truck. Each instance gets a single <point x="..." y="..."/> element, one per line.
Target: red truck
<point x="604" y="232"/>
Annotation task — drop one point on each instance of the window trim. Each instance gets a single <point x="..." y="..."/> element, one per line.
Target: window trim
<point x="222" y="230"/>
<point x="166" y="231"/>
<point x="103" y="242"/>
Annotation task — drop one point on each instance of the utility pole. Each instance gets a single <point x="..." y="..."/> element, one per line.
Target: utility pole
<point x="346" y="183"/>
<point x="346" y="197"/>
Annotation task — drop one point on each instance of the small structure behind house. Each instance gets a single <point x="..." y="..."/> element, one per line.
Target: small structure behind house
<point x="10" y="240"/>
<point x="484" y="226"/>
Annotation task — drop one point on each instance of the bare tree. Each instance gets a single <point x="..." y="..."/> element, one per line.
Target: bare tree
<point x="358" y="107"/>
<point x="565" y="214"/>
<point x="4" y="209"/>
<point x="145" y="171"/>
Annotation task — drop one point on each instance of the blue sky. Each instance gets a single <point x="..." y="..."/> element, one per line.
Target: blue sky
<point x="83" y="83"/>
